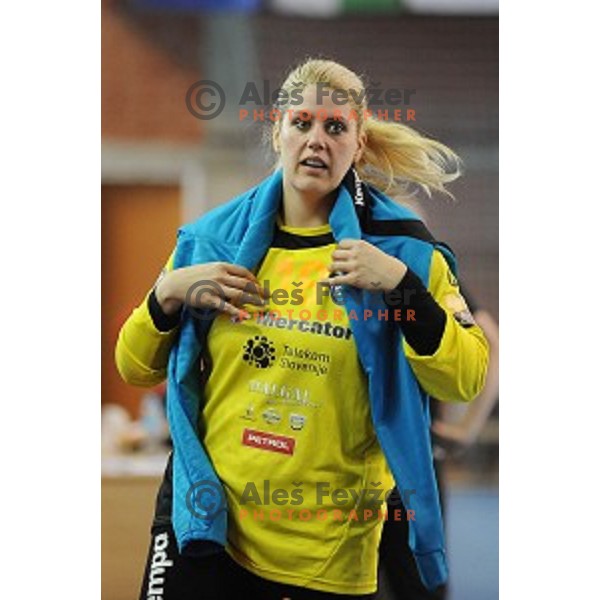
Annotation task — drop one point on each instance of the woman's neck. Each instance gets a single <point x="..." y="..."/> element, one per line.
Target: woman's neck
<point x="306" y="212"/>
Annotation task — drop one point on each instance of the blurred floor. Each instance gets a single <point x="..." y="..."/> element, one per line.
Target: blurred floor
<point x="472" y="530"/>
<point x="472" y="539"/>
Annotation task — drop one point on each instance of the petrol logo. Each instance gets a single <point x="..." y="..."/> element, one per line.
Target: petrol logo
<point x="268" y="441"/>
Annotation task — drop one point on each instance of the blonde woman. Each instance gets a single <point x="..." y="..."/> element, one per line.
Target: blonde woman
<point x="301" y="327"/>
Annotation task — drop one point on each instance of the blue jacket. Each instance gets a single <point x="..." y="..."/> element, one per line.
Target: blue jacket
<point x="241" y="232"/>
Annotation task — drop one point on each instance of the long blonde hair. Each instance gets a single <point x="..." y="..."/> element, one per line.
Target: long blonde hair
<point x="396" y="156"/>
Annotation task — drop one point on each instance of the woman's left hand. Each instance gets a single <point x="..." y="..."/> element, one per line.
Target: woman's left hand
<point x="364" y="266"/>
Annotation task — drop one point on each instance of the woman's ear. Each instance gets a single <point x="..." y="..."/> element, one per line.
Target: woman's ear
<point x="275" y="139"/>
<point x="362" y="142"/>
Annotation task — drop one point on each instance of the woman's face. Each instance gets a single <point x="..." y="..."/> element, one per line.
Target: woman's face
<point x="317" y="142"/>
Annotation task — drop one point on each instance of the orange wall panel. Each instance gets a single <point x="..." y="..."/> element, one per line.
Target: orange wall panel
<point x="139" y="226"/>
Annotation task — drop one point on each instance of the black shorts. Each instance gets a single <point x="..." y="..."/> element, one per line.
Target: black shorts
<point x="216" y="576"/>
<point x="396" y="561"/>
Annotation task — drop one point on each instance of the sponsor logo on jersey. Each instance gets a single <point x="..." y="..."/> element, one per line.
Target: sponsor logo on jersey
<point x="249" y="414"/>
<point x="271" y="416"/>
<point x="297" y="421"/>
<point x="259" y="352"/>
<point x="268" y="441"/>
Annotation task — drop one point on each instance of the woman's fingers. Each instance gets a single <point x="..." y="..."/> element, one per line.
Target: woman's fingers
<point x="348" y="244"/>
<point x="234" y="311"/>
<point x="220" y="304"/>
<point x="341" y="255"/>
<point x="248" y="286"/>
<point x="342" y="279"/>
<point x="239" y="284"/>
<point x="223" y="279"/>
<point x="220" y="293"/>
<point x="343" y="266"/>
<point x="358" y="263"/>
<point x="239" y="271"/>
<point x="241" y="296"/>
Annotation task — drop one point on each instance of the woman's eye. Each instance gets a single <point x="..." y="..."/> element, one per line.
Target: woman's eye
<point x="335" y="127"/>
<point x="301" y="124"/>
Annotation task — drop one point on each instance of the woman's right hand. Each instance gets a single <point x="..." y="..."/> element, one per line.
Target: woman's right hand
<point x="217" y="285"/>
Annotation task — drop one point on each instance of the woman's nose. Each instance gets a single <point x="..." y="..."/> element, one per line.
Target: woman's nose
<point x="316" y="140"/>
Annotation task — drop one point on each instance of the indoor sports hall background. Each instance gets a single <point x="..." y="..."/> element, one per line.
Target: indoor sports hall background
<point x="162" y="166"/>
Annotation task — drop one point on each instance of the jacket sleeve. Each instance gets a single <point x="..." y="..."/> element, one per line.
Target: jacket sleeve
<point x="445" y="347"/>
<point x="145" y="339"/>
